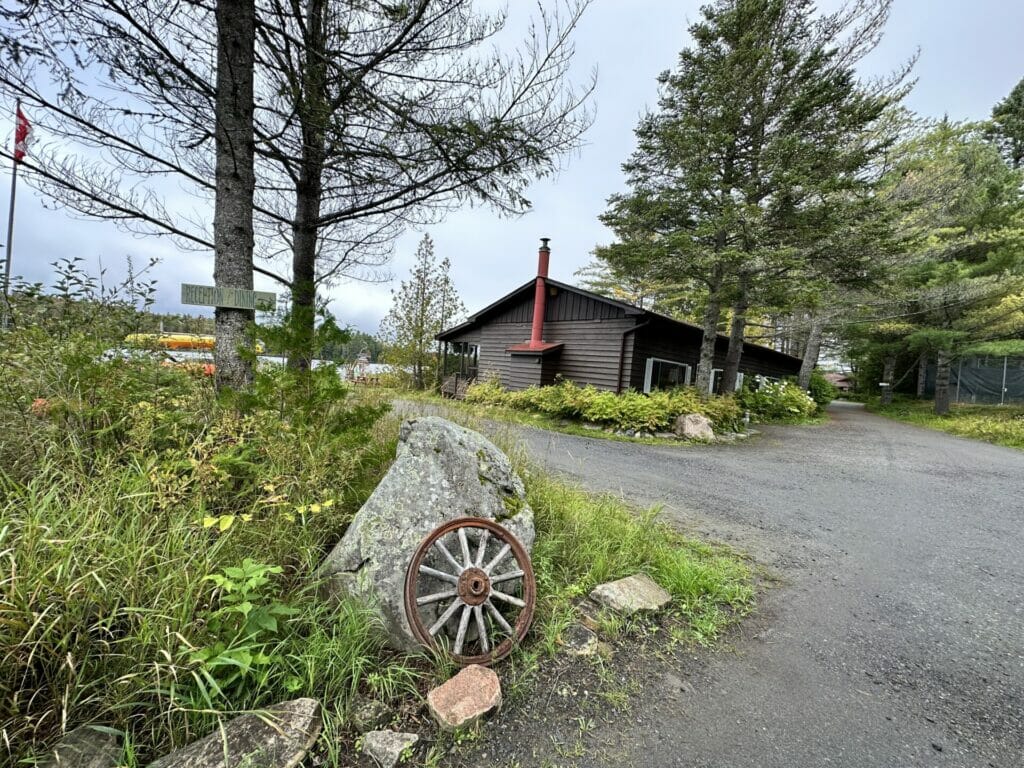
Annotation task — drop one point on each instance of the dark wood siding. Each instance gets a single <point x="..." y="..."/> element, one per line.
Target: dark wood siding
<point x="669" y="341"/>
<point x="591" y="351"/>
<point x="590" y="355"/>
<point x="561" y="306"/>
<point x="592" y="331"/>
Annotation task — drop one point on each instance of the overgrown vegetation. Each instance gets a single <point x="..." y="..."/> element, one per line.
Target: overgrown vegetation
<point x="157" y="546"/>
<point x="584" y="540"/>
<point x="631" y="410"/>
<point x="1002" y="425"/>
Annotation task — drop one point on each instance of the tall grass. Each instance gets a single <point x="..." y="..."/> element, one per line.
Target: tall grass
<point x="584" y="540"/>
<point x="1001" y="425"/>
<point x="157" y="544"/>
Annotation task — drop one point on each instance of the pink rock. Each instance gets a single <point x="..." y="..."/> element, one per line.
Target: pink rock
<point x="464" y="699"/>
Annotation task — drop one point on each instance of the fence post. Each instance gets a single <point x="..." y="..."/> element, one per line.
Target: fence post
<point x="1002" y="391"/>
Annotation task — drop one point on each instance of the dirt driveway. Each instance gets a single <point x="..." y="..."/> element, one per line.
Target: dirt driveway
<point x="896" y="637"/>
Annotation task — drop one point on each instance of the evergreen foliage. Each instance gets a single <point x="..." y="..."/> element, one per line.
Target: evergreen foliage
<point x="423" y="306"/>
<point x="757" y="160"/>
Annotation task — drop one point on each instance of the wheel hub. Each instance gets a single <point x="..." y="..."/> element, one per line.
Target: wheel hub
<point x="474" y="586"/>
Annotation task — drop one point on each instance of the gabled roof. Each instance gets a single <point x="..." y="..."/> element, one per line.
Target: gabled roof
<point x="631" y="310"/>
<point x="510" y="298"/>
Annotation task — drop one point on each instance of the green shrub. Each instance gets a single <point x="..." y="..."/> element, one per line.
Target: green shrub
<point x="776" y="401"/>
<point x="629" y="410"/>
<point x="821" y="390"/>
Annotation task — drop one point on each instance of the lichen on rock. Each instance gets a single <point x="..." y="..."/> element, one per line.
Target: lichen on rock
<point x="442" y="471"/>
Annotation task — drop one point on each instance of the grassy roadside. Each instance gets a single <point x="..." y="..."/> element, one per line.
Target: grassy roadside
<point x="1000" y="425"/>
<point x="156" y="549"/>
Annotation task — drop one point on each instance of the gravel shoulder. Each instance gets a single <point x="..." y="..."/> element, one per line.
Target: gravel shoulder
<point x="896" y="636"/>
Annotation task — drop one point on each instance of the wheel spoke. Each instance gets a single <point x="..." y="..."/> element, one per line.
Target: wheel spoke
<point x="496" y="615"/>
<point x="482" y="549"/>
<point x="445" y="616"/>
<point x="436" y="597"/>
<point x="428" y="571"/>
<point x="481" y="629"/>
<point x="497" y="558"/>
<point x="507" y="576"/>
<point x="460" y="638"/>
<point x="508" y="598"/>
<point x="448" y="556"/>
<point x="465" y="548"/>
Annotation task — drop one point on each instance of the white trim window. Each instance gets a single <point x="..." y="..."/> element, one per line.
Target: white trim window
<point x="716" y="378"/>
<point x="665" y="374"/>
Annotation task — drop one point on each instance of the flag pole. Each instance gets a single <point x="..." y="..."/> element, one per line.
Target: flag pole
<point x="10" y="220"/>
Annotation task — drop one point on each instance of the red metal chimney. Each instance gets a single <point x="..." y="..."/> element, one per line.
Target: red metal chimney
<point x="540" y="295"/>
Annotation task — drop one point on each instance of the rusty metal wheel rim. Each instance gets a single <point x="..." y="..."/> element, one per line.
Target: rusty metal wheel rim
<point x="468" y="587"/>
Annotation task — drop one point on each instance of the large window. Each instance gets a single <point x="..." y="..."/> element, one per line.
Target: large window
<point x="665" y="374"/>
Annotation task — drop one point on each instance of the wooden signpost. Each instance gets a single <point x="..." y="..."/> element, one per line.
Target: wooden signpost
<point x="236" y="298"/>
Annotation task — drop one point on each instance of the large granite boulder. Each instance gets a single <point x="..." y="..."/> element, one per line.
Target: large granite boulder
<point x="441" y="471"/>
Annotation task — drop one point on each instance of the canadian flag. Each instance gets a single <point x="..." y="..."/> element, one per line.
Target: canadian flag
<point x="22" y="130"/>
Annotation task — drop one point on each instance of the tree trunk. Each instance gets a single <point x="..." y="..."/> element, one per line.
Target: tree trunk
<point x="712" y="314"/>
<point x="811" y="351"/>
<point x="312" y="111"/>
<point x="737" y="329"/>
<point x="922" y="375"/>
<point x="942" y="384"/>
<point x="235" y="182"/>
<point x="888" y="371"/>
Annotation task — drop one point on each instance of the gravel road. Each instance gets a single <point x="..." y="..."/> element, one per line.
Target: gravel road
<point x="896" y="636"/>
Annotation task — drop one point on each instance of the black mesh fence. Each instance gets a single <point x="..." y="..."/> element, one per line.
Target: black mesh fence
<point x="983" y="380"/>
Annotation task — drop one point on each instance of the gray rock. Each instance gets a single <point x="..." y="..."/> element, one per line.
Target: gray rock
<point x="85" y="747"/>
<point x="441" y="471"/>
<point x="694" y="426"/>
<point x="278" y="737"/>
<point x="366" y="714"/>
<point x="578" y="640"/>
<point x="633" y="594"/>
<point x="665" y="435"/>
<point x="591" y="425"/>
<point x="386" y="747"/>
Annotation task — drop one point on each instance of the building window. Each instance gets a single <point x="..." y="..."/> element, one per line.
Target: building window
<point x="665" y="374"/>
<point x="716" y="380"/>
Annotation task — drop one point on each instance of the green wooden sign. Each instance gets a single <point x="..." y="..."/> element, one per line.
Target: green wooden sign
<point x="236" y="298"/>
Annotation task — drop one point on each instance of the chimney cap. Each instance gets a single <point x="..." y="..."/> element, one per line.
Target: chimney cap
<point x="544" y="243"/>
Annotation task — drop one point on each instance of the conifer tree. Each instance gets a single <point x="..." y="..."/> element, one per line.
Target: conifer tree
<point x="423" y="306"/>
<point x="761" y="149"/>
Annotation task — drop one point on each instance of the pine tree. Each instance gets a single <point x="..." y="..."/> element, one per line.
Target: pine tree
<point x="1008" y="120"/>
<point x="423" y="306"/>
<point x="961" y="283"/>
<point x="759" y="152"/>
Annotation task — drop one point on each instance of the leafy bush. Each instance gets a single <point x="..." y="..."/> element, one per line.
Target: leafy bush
<point x="821" y="390"/>
<point x="776" y="401"/>
<point x="629" y="410"/>
<point x="127" y="491"/>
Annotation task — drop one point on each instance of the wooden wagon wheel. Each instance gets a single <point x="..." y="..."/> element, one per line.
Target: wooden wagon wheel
<point x="477" y="603"/>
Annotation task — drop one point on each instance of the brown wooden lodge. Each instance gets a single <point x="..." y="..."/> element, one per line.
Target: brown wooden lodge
<point x="546" y="329"/>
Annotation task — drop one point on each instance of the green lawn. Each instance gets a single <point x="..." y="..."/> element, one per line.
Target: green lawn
<point x="1001" y="425"/>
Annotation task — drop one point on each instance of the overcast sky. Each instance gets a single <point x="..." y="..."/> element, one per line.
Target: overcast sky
<point x="970" y="58"/>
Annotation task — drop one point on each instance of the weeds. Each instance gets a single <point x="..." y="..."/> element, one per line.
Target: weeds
<point x="997" y="424"/>
<point x="156" y="547"/>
